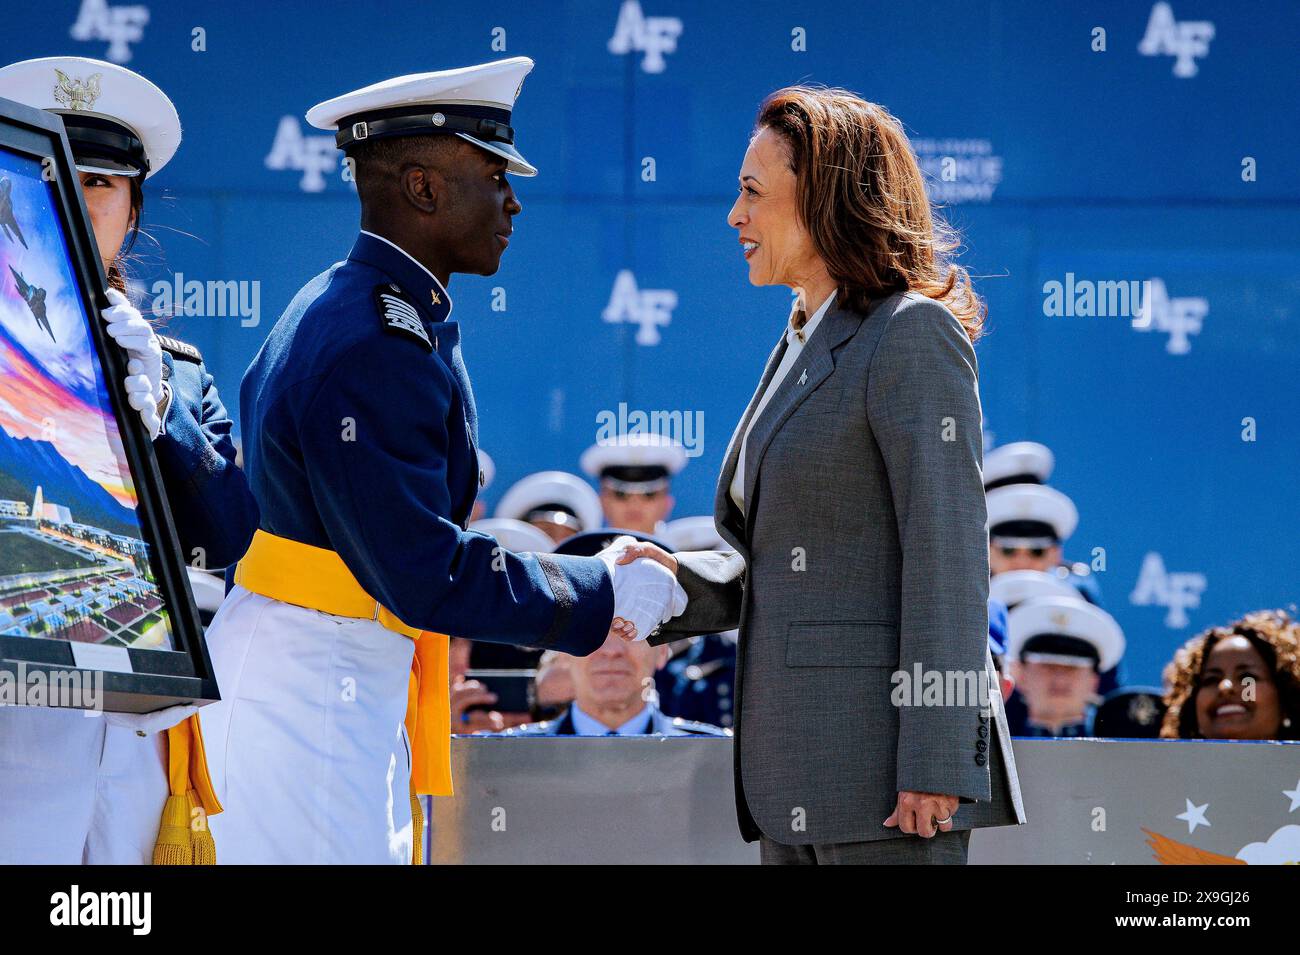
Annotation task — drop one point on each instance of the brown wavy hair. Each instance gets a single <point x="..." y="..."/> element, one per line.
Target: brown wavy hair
<point x="1273" y="634"/>
<point x="862" y="199"/>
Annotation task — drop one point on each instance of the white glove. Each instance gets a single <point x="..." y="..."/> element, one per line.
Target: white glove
<point x="645" y="591"/>
<point x="144" y="386"/>
<point x="147" y="724"/>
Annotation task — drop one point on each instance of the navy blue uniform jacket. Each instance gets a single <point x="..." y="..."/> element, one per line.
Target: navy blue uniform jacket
<point x="211" y="505"/>
<point x="361" y="437"/>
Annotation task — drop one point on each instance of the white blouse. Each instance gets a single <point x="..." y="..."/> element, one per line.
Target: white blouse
<point x="793" y="348"/>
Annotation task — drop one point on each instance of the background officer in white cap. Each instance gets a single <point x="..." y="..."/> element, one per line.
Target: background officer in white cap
<point x="1013" y="587"/>
<point x="361" y="449"/>
<point x="1021" y="462"/>
<point x="94" y="790"/>
<point x="1058" y="647"/>
<point x="1028" y="463"/>
<point x="635" y="476"/>
<point x="557" y="503"/>
<point x="1028" y="526"/>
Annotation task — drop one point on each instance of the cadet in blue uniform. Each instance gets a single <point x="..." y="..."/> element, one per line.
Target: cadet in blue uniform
<point x="94" y="790"/>
<point x="635" y="473"/>
<point x="1058" y="647"/>
<point x="699" y="684"/>
<point x="1030" y="463"/>
<point x="361" y="441"/>
<point x="1028" y="525"/>
<point x="214" y="511"/>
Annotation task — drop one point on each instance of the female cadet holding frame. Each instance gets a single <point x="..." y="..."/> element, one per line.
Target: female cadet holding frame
<point x="74" y="788"/>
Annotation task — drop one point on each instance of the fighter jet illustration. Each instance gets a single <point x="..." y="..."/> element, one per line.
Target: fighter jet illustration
<point x="7" y="221"/>
<point x="35" y="299"/>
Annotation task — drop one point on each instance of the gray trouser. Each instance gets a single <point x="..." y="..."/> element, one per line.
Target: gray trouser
<point x="946" y="848"/>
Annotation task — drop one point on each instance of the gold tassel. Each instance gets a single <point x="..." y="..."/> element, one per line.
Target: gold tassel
<point x="204" y="846"/>
<point x="173" y="845"/>
<point x="417" y="830"/>
<point x="179" y="842"/>
<point x="184" y="839"/>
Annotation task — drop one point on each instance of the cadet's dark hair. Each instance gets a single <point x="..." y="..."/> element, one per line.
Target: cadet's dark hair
<point x="376" y="160"/>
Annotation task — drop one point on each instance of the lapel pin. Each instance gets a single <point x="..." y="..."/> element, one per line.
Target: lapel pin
<point x="803" y="379"/>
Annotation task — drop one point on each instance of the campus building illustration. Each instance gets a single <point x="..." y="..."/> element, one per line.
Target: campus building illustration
<point x="65" y="580"/>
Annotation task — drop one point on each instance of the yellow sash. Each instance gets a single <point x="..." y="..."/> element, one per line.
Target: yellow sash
<point x="307" y="576"/>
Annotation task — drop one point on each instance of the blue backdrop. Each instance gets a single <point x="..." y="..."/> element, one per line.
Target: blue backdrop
<point x="1109" y="142"/>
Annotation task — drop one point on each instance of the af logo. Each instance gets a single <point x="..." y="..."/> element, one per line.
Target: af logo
<point x="120" y="26"/>
<point x="653" y="36"/>
<point x="313" y="156"/>
<point x="1176" y="592"/>
<point x="1177" y="317"/>
<point x="649" y="307"/>
<point x="1185" y="41"/>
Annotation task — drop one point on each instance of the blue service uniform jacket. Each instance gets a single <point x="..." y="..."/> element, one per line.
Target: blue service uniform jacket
<point x="699" y="684"/>
<point x="212" y="508"/>
<point x="361" y="437"/>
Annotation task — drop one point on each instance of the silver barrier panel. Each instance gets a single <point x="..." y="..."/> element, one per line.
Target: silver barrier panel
<point x="669" y="800"/>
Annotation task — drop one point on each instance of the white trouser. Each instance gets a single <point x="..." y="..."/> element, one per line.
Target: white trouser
<point x="307" y="747"/>
<point x="75" y="788"/>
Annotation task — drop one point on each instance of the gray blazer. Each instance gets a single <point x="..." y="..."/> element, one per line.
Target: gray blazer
<point x="863" y="555"/>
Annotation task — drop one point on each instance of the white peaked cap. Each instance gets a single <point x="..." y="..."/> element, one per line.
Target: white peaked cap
<point x="1069" y="617"/>
<point x="694" y="533"/>
<point x="1032" y="502"/>
<point x="553" y="487"/>
<point x="473" y="102"/>
<point x="516" y="536"/>
<point x="1028" y="458"/>
<point x="118" y="122"/>
<point x="1014" y="587"/>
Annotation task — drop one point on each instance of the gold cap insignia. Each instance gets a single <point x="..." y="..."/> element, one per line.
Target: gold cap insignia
<point x="76" y="94"/>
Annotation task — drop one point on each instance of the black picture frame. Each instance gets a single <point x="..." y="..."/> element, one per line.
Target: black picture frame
<point x="74" y="606"/>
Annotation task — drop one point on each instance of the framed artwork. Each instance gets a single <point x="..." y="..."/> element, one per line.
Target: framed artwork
<point x="95" y="608"/>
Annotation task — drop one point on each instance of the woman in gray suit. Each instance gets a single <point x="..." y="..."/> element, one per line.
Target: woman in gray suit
<point x="851" y="490"/>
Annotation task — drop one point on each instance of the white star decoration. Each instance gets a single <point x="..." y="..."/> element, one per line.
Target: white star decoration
<point x="1294" y="796"/>
<point x="1194" y="816"/>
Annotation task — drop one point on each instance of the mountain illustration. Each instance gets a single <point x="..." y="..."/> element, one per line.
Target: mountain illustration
<point x="27" y="462"/>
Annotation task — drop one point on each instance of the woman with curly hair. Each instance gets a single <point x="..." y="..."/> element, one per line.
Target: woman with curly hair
<point x="1241" y="681"/>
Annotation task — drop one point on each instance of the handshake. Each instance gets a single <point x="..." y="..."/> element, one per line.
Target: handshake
<point x="646" y="591"/>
